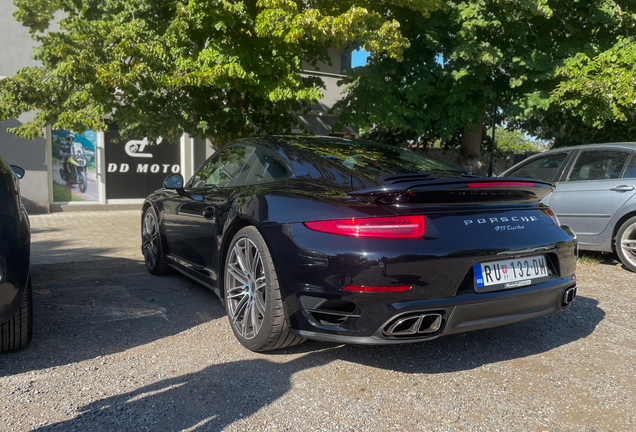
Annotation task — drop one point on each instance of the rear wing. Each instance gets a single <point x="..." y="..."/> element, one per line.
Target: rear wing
<point x="469" y="190"/>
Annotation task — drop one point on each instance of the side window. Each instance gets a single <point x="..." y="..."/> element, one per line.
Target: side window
<point x="544" y="168"/>
<point x="264" y="169"/>
<point x="228" y="168"/>
<point x="630" y="171"/>
<point x="599" y="165"/>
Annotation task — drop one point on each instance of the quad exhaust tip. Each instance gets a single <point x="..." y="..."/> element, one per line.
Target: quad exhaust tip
<point x="415" y="324"/>
<point x="568" y="296"/>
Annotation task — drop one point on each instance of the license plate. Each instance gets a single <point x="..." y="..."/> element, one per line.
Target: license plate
<point x="509" y="274"/>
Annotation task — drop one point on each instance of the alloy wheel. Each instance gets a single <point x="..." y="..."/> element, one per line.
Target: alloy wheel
<point x="246" y="288"/>
<point x="628" y="244"/>
<point x="150" y="245"/>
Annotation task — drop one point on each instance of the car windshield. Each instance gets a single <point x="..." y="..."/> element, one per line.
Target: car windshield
<point x="376" y="159"/>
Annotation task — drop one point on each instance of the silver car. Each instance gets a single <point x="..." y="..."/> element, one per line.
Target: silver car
<point x="594" y="195"/>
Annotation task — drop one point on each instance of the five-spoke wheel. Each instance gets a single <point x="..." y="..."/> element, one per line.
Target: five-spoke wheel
<point x="626" y="243"/>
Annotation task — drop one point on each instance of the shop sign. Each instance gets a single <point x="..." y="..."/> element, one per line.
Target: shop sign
<point x="135" y="168"/>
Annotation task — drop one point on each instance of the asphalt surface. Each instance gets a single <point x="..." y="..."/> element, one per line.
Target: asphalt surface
<point x="118" y="349"/>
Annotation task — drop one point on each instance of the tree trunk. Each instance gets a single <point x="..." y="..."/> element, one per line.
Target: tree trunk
<point x="470" y="149"/>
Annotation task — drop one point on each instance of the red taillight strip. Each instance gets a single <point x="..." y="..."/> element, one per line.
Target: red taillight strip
<point x="553" y="216"/>
<point x="500" y="184"/>
<point x="377" y="289"/>
<point x="395" y="227"/>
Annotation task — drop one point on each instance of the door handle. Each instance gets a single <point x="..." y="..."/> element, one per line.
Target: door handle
<point x="209" y="212"/>
<point x="622" y="188"/>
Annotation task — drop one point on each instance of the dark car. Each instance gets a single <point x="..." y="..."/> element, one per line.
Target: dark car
<point x="595" y="193"/>
<point x="16" y="308"/>
<point x="353" y="241"/>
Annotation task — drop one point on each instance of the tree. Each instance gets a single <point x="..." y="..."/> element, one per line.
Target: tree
<point x="600" y="95"/>
<point x="514" y="140"/>
<point x="473" y="56"/>
<point x="215" y="68"/>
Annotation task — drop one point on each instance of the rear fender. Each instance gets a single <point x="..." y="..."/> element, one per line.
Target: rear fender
<point x="226" y="238"/>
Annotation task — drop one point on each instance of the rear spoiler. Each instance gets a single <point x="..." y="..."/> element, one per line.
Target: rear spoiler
<point x="460" y="190"/>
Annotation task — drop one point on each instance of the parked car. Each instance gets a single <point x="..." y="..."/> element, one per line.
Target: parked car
<point x="352" y="241"/>
<point x="16" y="308"/>
<point x="595" y="189"/>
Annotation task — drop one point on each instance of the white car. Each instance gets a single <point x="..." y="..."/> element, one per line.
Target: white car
<point x="595" y="193"/>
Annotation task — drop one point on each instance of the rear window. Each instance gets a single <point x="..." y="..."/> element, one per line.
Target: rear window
<point x="376" y="159"/>
<point x="599" y="165"/>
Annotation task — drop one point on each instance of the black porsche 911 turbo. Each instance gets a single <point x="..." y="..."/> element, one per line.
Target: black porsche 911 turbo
<point x="16" y="308"/>
<point x="358" y="242"/>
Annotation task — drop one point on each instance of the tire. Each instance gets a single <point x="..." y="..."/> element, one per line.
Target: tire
<point x="17" y="331"/>
<point x="83" y="184"/>
<point x="255" y="308"/>
<point x="626" y="243"/>
<point x="151" y="244"/>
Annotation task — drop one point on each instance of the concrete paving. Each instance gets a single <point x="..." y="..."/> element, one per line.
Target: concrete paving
<point x="85" y="236"/>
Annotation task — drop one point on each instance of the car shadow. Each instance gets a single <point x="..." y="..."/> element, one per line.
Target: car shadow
<point x="83" y="310"/>
<point x="471" y="350"/>
<point x="221" y="394"/>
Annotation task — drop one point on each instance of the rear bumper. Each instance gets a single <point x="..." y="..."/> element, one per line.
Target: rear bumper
<point x="313" y="267"/>
<point x="464" y="316"/>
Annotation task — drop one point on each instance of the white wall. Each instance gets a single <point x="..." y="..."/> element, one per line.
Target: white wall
<point x="15" y="53"/>
<point x="319" y="120"/>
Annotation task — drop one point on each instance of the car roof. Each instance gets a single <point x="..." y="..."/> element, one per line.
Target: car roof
<point x="625" y="145"/>
<point x="275" y="142"/>
<point x="308" y="160"/>
<point x="630" y="146"/>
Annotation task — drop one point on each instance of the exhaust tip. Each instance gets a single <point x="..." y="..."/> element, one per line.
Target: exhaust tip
<point x="568" y="296"/>
<point x="414" y="325"/>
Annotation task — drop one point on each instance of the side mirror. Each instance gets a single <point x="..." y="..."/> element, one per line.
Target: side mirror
<point x="174" y="181"/>
<point x="19" y="172"/>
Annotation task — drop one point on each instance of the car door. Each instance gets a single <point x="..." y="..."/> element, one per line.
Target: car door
<point x="593" y="190"/>
<point x="191" y="217"/>
<point x="545" y="167"/>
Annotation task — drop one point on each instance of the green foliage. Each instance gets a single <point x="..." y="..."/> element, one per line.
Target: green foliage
<point x="215" y="68"/>
<point x="559" y="70"/>
<point x="601" y="92"/>
<point x="513" y="140"/>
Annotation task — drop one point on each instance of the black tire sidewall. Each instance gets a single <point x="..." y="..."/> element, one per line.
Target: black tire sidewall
<point x="84" y="180"/>
<point x="619" y="249"/>
<point x="28" y="303"/>
<point x="262" y="338"/>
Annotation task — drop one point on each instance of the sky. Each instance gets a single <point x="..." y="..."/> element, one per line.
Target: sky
<point x="359" y="57"/>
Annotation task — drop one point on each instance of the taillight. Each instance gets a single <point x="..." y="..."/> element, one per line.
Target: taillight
<point x="377" y="289"/>
<point x="501" y="184"/>
<point x="553" y="216"/>
<point x="396" y="227"/>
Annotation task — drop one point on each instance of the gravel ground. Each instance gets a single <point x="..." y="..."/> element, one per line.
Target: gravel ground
<point x="117" y="349"/>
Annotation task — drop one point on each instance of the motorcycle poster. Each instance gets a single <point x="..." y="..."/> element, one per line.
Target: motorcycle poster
<point x="74" y="171"/>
